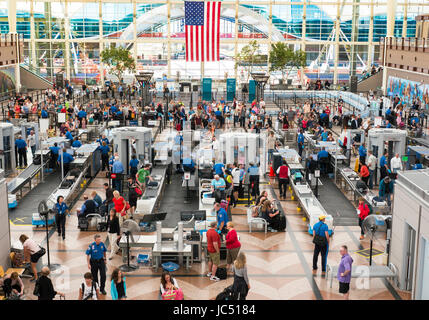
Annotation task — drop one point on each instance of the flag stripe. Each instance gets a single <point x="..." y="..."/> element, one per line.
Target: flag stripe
<point x="202" y="30"/>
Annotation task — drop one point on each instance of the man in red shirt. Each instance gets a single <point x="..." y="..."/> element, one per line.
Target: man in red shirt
<point x="283" y="175"/>
<point x="213" y="249"/>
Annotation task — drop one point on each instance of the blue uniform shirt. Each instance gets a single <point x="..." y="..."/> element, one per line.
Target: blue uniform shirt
<point x="61" y="208"/>
<point x="44" y="114"/>
<point x="300" y="138"/>
<point x="20" y="144"/>
<point x="418" y="166"/>
<point x="55" y="150"/>
<point x="104" y="149"/>
<point x="218" y="168"/>
<point x="67" y="158"/>
<point x="320" y="228"/>
<point x="96" y="252"/>
<point x="382" y="161"/>
<point x="76" y="144"/>
<point x="134" y="163"/>
<point x="362" y="151"/>
<point x="117" y="167"/>
<point x="322" y="154"/>
<point x="389" y="125"/>
<point x="100" y="141"/>
<point x="324" y="136"/>
<point x="222" y="216"/>
<point x="253" y="171"/>
<point x="69" y="135"/>
<point x="81" y="114"/>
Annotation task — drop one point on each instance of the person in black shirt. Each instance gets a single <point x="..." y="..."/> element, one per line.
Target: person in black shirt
<point x="271" y="215"/>
<point x="45" y="287"/>
<point x="109" y="195"/>
<point x="113" y="232"/>
<point x="118" y="286"/>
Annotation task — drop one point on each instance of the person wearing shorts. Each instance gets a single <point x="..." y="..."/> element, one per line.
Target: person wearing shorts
<point x="32" y="250"/>
<point x="232" y="244"/>
<point x="213" y="249"/>
<point x="345" y="272"/>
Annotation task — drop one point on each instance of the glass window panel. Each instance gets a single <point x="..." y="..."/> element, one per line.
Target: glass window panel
<point x="116" y="17"/>
<point x="84" y="20"/>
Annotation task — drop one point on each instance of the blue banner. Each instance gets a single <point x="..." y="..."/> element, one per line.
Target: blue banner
<point x="207" y="89"/>
<point x="252" y="90"/>
<point x="230" y="89"/>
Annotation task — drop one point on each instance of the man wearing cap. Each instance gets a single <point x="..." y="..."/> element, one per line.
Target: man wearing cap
<point x="320" y="231"/>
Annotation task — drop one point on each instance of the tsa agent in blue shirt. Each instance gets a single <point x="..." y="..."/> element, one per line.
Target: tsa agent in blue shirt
<point x="118" y="169"/>
<point x="76" y="143"/>
<point x="221" y="217"/>
<point x="321" y="229"/>
<point x="300" y="143"/>
<point x="69" y="135"/>
<point x="81" y="114"/>
<point x="188" y="165"/>
<point x="66" y="162"/>
<point x="44" y="114"/>
<point x="96" y="259"/>
<point x="134" y="163"/>
<point x="61" y="210"/>
<point x="321" y="156"/>
<point x="253" y="172"/>
<point x="362" y="153"/>
<point x="21" y="146"/>
<point x="218" y="168"/>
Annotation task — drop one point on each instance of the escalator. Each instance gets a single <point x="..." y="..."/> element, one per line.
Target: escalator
<point x="374" y="83"/>
<point x="31" y="80"/>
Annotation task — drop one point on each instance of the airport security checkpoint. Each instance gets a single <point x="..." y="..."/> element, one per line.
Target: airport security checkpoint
<point x="161" y="176"/>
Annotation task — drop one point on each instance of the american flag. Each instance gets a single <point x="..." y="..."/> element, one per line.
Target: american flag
<point x="202" y="24"/>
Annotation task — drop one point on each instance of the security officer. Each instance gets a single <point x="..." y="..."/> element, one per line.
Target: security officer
<point x="323" y="159"/>
<point x="254" y="179"/>
<point x="300" y="143"/>
<point x="134" y="163"/>
<point x="66" y="162"/>
<point x="104" y="148"/>
<point x="76" y="143"/>
<point x="96" y="259"/>
<point x="60" y="218"/>
<point x="21" y="146"/>
<point x="103" y="139"/>
<point x="69" y="135"/>
<point x="55" y="150"/>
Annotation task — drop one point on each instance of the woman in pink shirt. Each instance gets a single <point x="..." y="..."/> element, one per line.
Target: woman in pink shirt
<point x="232" y="244"/>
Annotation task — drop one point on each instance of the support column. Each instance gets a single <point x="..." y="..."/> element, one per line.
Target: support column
<point x="101" y="43"/>
<point x="11" y="6"/>
<point x="337" y="43"/>
<point x="270" y="31"/>
<point x="405" y="21"/>
<point x="33" y="59"/>
<point x="304" y="25"/>
<point x="371" y="36"/>
<point x="67" y="39"/>
<point x="135" y="31"/>
<point x="355" y="34"/>
<point x="391" y="12"/>
<point x="169" y="39"/>
<point x="236" y="39"/>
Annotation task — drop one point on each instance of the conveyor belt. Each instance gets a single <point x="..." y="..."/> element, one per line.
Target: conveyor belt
<point x="173" y="201"/>
<point x="336" y="204"/>
<point x="16" y="184"/>
<point x="28" y="204"/>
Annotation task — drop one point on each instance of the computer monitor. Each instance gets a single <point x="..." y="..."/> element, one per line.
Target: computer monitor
<point x="198" y="215"/>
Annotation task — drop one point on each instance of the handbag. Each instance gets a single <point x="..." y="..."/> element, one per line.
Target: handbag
<point x="179" y="294"/>
<point x="169" y="295"/>
<point x="138" y="191"/>
<point x="319" y="240"/>
<point x="42" y="251"/>
<point x="36" y="290"/>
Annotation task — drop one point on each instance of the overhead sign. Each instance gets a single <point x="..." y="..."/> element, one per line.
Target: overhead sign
<point x="207" y="89"/>
<point x="230" y="89"/>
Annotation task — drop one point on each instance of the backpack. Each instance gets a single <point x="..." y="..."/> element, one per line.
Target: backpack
<point x="221" y="273"/>
<point x="92" y="291"/>
<point x="226" y="294"/>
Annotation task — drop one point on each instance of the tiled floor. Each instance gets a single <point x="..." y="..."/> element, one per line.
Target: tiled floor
<point x="279" y="264"/>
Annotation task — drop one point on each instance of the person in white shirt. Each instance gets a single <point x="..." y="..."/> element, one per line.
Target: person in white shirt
<point x="32" y="252"/>
<point x="235" y="172"/>
<point x="396" y="163"/>
<point x="31" y="140"/>
<point x="89" y="289"/>
<point x="372" y="165"/>
<point x="216" y="147"/>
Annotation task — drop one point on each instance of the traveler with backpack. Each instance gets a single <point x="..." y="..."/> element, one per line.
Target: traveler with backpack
<point x="118" y="287"/>
<point x="89" y="289"/>
<point x="321" y="243"/>
<point x="241" y="285"/>
<point x="363" y="212"/>
<point x="213" y="249"/>
<point x="283" y="173"/>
